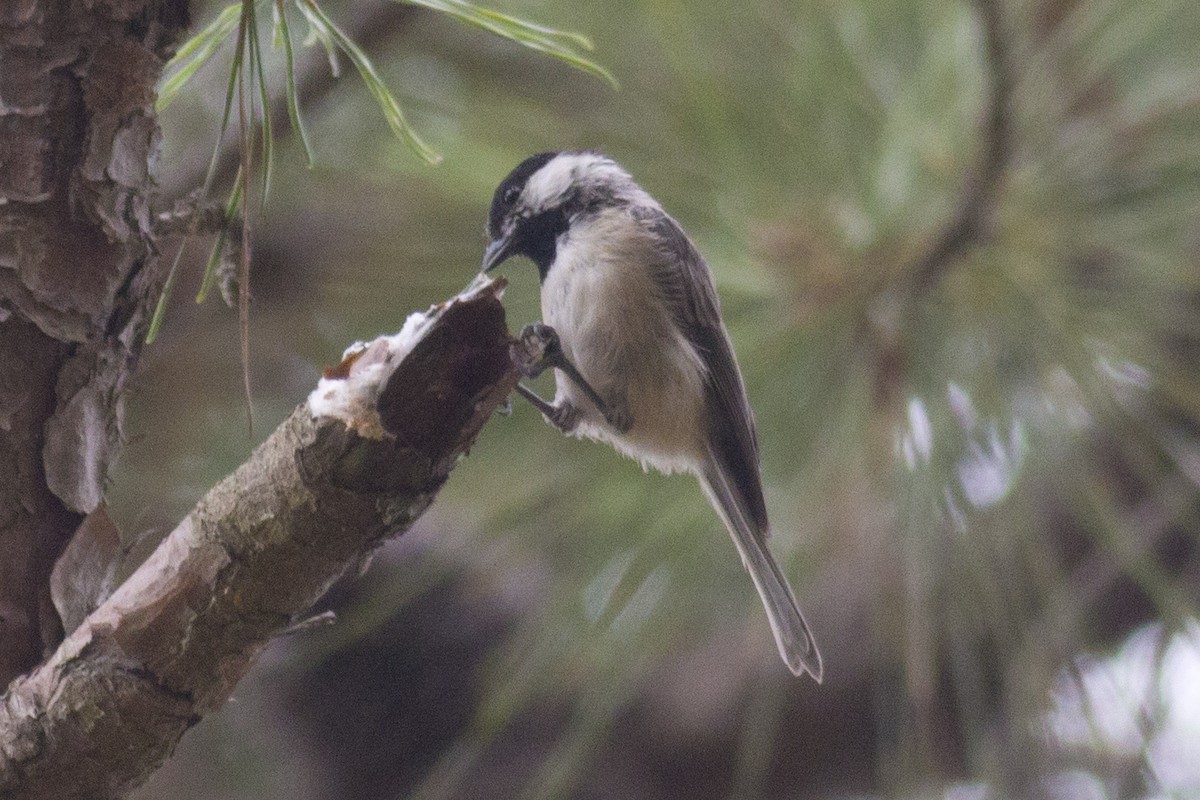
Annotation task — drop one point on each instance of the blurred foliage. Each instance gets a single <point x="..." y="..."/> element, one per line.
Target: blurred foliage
<point x="973" y="486"/>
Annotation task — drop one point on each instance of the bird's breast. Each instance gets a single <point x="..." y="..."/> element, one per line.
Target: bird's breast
<point x="600" y="296"/>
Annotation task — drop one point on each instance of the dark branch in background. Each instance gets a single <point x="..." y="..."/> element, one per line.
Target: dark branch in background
<point x="969" y="225"/>
<point x="976" y="207"/>
<point x="310" y="505"/>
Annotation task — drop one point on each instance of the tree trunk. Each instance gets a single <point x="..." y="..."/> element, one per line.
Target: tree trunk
<point x="79" y="269"/>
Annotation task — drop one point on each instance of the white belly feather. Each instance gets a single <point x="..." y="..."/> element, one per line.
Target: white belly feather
<point x="613" y="326"/>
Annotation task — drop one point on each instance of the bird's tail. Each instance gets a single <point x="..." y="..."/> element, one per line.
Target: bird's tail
<point x="792" y="635"/>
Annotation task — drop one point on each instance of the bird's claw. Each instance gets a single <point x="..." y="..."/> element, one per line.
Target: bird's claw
<point x="536" y="349"/>
<point x="619" y="418"/>
<point x="564" y="416"/>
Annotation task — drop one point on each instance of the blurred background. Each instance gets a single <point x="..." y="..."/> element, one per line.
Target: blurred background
<point x="956" y="244"/>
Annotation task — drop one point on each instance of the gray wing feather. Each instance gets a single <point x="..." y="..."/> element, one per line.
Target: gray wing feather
<point x="792" y="635"/>
<point x="684" y="280"/>
<point x="730" y="477"/>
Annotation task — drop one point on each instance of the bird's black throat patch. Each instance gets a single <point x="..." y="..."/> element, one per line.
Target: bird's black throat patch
<point x="538" y="237"/>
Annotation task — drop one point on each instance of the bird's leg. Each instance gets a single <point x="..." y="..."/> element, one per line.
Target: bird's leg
<point x="537" y="347"/>
<point x="563" y="416"/>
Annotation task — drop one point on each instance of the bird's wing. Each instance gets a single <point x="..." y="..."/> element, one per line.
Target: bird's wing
<point x="684" y="280"/>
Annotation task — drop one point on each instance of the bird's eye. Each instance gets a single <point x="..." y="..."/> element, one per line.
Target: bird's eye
<point x="510" y="195"/>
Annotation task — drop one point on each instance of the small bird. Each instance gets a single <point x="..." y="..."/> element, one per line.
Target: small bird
<point x="632" y="323"/>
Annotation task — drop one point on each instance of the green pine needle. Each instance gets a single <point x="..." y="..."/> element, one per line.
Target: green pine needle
<point x="214" y="258"/>
<point x="562" y="45"/>
<point x="196" y="52"/>
<point x="284" y="35"/>
<point x="383" y="96"/>
<point x="259" y="76"/>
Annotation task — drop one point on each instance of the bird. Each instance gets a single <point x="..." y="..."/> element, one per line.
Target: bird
<point x="632" y="325"/>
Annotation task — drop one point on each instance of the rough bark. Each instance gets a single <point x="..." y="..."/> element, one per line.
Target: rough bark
<point x="311" y="504"/>
<point x="78" y="271"/>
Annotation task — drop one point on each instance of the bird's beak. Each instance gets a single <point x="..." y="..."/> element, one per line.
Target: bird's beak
<point x="498" y="252"/>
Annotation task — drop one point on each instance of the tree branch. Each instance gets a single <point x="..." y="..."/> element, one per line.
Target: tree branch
<point x="980" y="192"/>
<point x="311" y="504"/>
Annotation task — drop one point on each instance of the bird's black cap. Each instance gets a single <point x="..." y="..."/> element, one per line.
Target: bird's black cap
<point x="510" y="189"/>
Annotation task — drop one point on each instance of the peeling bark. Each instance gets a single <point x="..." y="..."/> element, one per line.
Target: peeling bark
<point x="311" y="504"/>
<point x="78" y="272"/>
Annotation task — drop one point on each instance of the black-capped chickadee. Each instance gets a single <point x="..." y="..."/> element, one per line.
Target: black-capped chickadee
<point x="633" y="324"/>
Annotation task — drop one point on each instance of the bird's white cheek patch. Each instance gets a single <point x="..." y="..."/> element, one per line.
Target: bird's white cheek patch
<point x="547" y="187"/>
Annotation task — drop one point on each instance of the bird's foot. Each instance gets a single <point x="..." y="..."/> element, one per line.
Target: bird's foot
<point x="563" y="416"/>
<point x="536" y="348"/>
<point x="617" y="415"/>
